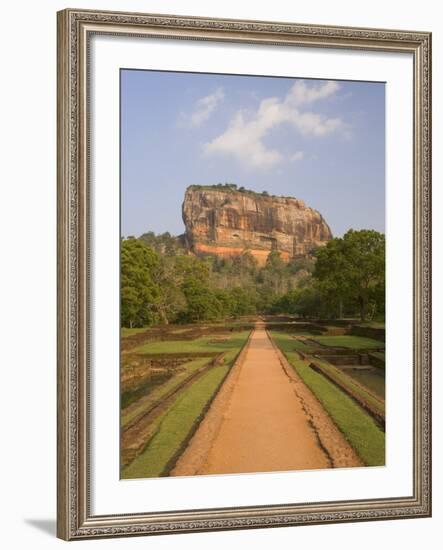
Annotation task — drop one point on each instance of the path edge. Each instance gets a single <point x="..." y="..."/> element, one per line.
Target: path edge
<point x="191" y="462"/>
<point x="330" y="437"/>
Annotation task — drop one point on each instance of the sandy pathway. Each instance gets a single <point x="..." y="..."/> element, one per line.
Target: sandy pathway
<point x="264" y="426"/>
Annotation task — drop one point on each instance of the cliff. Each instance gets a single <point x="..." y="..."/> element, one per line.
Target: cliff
<point x="224" y="222"/>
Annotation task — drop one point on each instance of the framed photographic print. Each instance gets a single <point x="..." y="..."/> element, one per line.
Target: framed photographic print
<point x="243" y="274"/>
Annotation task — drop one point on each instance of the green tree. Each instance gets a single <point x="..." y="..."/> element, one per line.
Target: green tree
<point x="298" y="265"/>
<point x="244" y="302"/>
<point x="352" y="269"/>
<point x="274" y="261"/>
<point x="164" y="243"/>
<point x="171" y="301"/>
<point x="139" y="291"/>
<point x="201" y="302"/>
<point x="192" y="267"/>
<point x="305" y="302"/>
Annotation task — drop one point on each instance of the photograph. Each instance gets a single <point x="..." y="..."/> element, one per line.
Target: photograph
<point x="244" y="244"/>
<point x="228" y="295"/>
<point x="252" y="273"/>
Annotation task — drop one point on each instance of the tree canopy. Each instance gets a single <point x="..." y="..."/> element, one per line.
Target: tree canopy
<point x="139" y="291"/>
<point x="161" y="283"/>
<point x="352" y="269"/>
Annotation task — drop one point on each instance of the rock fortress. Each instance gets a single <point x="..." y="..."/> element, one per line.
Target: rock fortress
<point x="225" y="221"/>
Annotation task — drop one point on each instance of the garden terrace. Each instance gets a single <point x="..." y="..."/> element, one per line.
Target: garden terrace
<point x="365" y="397"/>
<point x="338" y="371"/>
<point x="132" y="338"/>
<point x="167" y="384"/>
<point x="297" y="327"/>
<point x="375" y="332"/>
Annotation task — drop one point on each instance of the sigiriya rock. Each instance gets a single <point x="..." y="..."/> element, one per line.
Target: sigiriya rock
<point x="225" y="221"/>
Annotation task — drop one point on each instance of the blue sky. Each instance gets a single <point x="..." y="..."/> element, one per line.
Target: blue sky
<point x="316" y="140"/>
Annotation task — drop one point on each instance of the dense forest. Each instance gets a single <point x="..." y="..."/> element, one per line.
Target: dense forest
<point x="161" y="283"/>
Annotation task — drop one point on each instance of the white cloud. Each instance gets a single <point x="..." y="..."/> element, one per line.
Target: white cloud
<point x="302" y="94"/>
<point x="204" y="108"/>
<point x="299" y="155"/>
<point x="243" y="139"/>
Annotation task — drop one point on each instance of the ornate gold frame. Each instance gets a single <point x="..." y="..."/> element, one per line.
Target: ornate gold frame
<point x="74" y="30"/>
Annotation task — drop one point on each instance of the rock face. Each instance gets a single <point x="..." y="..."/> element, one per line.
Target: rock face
<point x="226" y="222"/>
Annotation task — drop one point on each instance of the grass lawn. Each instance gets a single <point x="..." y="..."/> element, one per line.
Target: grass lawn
<point x="130" y="331"/>
<point x="157" y="393"/>
<point x="172" y="428"/>
<point x="347" y="381"/>
<point x="358" y="427"/>
<point x="289" y="343"/>
<point x="234" y="341"/>
<point x="175" y="425"/>
<point x="348" y="341"/>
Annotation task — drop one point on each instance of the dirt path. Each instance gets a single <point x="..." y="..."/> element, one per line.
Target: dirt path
<point x="258" y="422"/>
